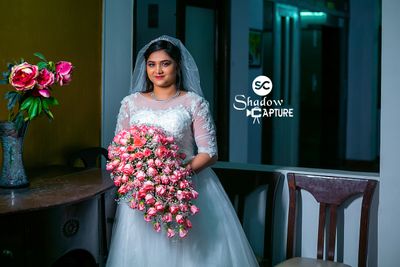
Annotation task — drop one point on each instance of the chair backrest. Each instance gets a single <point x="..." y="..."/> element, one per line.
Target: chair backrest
<point x="89" y="156"/>
<point x="330" y="192"/>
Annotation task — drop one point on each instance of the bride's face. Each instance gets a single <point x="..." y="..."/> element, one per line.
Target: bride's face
<point x="161" y="69"/>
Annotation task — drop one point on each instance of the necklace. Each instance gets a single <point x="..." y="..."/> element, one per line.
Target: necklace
<point x="169" y="98"/>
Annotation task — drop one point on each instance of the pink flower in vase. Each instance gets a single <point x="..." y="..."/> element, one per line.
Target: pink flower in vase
<point x="23" y="76"/>
<point x="45" y="79"/>
<point x="63" y="72"/>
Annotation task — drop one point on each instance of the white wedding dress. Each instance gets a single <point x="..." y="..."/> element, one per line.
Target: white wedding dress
<point x="217" y="238"/>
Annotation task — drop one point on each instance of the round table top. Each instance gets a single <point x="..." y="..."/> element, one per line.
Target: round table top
<point x="52" y="189"/>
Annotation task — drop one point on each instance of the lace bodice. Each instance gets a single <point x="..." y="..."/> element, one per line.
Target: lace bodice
<point x="186" y="117"/>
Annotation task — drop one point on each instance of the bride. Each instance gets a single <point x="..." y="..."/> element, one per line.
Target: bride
<point x="166" y="92"/>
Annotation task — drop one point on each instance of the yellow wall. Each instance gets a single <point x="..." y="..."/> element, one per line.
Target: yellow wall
<point x="61" y="30"/>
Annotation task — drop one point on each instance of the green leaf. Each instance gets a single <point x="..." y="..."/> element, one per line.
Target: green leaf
<point x="52" y="101"/>
<point x="45" y="105"/>
<point x="33" y="109"/>
<point x="42" y="65"/>
<point x="49" y="114"/>
<point x="3" y="82"/>
<point x="6" y="74"/>
<point x="27" y="102"/>
<point x="12" y="97"/>
<point x="40" y="55"/>
<point x="19" y="120"/>
<point x="39" y="107"/>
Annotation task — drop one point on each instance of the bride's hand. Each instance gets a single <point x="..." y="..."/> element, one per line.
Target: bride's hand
<point x="201" y="161"/>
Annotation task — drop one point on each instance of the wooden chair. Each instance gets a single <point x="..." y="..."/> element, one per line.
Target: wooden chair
<point x="241" y="180"/>
<point x="330" y="192"/>
<point x="88" y="156"/>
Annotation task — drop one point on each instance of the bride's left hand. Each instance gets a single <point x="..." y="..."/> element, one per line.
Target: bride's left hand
<point x="201" y="161"/>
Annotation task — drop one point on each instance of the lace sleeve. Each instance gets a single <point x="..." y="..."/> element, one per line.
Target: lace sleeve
<point x="123" y="116"/>
<point x="204" y="128"/>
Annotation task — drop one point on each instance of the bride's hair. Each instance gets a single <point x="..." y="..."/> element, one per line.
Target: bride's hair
<point x="174" y="52"/>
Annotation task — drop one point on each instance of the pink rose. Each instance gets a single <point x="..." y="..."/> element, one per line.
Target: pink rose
<point x="124" y="178"/>
<point x="122" y="190"/>
<point x="158" y="162"/>
<point x="23" y="76"/>
<point x="139" y="142"/>
<point x="160" y="190"/>
<point x="179" y="195"/>
<point x="141" y="206"/>
<point x="128" y="169"/>
<point x="147" y="218"/>
<point x="110" y="166"/>
<point x="63" y="72"/>
<point x="183" y="184"/>
<point x="170" y="233"/>
<point x="152" y="172"/>
<point x="188" y="223"/>
<point x="161" y="151"/>
<point x="41" y="92"/>
<point x="147" y="152"/>
<point x="194" y="209"/>
<point x="174" y="178"/>
<point x="140" y="175"/>
<point x="149" y="199"/>
<point x="157" y="227"/>
<point x="137" y="183"/>
<point x="195" y="194"/>
<point x="133" y="204"/>
<point x="167" y="217"/>
<point x="148" y="185"/>
<point x="152" y="211"/>
<point x="45" y="79"/>
<point x="159" y="206"/>
<point x="164" y="179"/>
<point x="167" y="170"/>
<point x="179" y="219"/>
<point x="141" y="193"/>
<point x="173" y="209"/>
<point x="183" y="207"/>
<point x="139" y="164"/>
<point x="130" y="148"/>
<point x="150" y="162"/>
<point x="183" y="232"/>
<point x="123" y="141"/>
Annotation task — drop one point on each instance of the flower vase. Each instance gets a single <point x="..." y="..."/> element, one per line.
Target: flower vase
<point x="12" y="172"/>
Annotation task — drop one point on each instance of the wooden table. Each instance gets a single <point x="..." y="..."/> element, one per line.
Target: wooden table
<point x="51" y="188"/>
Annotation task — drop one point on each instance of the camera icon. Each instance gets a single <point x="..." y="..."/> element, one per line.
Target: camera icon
<point x="255" y="113"/>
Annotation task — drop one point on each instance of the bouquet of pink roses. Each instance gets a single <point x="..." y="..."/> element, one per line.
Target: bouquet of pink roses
<point x="32" y="84"/>
<point x="148" y="170"/>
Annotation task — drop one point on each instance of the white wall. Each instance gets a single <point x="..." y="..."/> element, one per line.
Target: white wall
<point x="389" y="211"/>
<point x="117" y="58"/>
